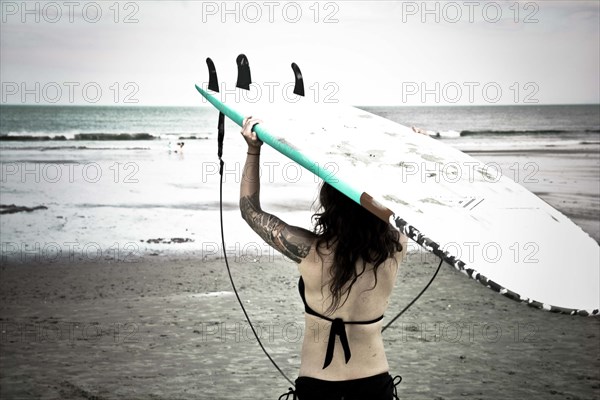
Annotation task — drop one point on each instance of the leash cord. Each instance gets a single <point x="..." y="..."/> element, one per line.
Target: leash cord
<point x="222" y="164"/>
<point x="415" y="299"/>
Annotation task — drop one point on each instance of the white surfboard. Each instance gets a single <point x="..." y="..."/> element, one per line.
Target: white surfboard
<point x="482" y="223"/>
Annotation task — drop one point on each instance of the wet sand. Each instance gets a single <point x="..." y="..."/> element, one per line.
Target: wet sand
<point x="169" y="327"/>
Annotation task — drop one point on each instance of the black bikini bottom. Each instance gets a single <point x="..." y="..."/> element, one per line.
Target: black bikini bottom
<point x="377" y="387"/>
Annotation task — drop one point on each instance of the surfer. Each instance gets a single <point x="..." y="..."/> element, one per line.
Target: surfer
<point x="348" y="265"/>
<point x="419" y="130"/>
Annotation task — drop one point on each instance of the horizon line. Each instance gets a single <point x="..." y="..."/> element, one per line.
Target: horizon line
<point x="353" y="105"/>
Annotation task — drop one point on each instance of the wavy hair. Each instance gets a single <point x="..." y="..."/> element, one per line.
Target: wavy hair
<point x="356" y="234"/>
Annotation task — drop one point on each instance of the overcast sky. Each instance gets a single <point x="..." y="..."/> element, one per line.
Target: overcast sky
<point x="362" y="53"/>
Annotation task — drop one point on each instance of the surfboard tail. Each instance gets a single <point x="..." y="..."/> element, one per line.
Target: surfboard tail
<point x="293" y="153"/>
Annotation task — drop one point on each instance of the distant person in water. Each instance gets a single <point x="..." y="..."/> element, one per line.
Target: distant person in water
<point x="419" y="130"/>
<point x="348" y="265"/>
<point x="179" y="144"/>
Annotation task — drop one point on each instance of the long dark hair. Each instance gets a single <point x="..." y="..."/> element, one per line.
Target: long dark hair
<point x="356" y="234"/>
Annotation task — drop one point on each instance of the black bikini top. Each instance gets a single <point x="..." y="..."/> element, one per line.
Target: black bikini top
<point x="337" y="328"/>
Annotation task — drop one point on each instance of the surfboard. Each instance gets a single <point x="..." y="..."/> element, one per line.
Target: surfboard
<point x="453" y="205"/>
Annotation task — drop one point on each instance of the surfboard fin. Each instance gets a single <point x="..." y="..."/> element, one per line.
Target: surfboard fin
<point x="213" y="81"/>
<point x="243" y="80"/>
<point x="299" y="85"/>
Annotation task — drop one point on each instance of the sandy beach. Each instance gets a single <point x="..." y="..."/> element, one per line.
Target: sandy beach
<point x="169" y="327"/>
<point x="142" y="307"/>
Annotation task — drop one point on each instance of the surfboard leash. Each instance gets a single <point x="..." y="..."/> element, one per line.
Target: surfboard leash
<point x="416" y="298"/>
<point x="221" y="135"/>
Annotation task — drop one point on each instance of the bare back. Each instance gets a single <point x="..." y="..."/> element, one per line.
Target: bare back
<point x="365" y="302"/>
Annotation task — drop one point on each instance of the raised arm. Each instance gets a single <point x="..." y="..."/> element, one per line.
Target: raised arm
<point x="292" y="241"/>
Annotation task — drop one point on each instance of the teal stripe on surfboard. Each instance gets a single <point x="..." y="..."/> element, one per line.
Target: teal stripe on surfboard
<point x="285" y="149"/>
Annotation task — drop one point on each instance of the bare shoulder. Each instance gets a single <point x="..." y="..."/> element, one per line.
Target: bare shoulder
<point x="396" y="259"/>
<point x="404" y="243"/>
<point x="295" y="242"/>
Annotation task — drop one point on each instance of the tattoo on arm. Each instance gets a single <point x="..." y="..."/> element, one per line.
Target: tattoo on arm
<point x="292" y="241"/>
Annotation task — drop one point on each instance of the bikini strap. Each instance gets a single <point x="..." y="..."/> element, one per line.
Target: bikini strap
<point x="395" y="382"/>
<point x="308" y="310"/>
<point x="337" y="329"/>
<point x="287" y="395"/>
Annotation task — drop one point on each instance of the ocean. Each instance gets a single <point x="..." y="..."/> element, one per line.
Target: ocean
<point x="561" y="123"/>
<point x="116" y="184"/>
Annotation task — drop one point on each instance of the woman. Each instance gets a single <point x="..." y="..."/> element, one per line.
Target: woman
<point x="348" y="267"/>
